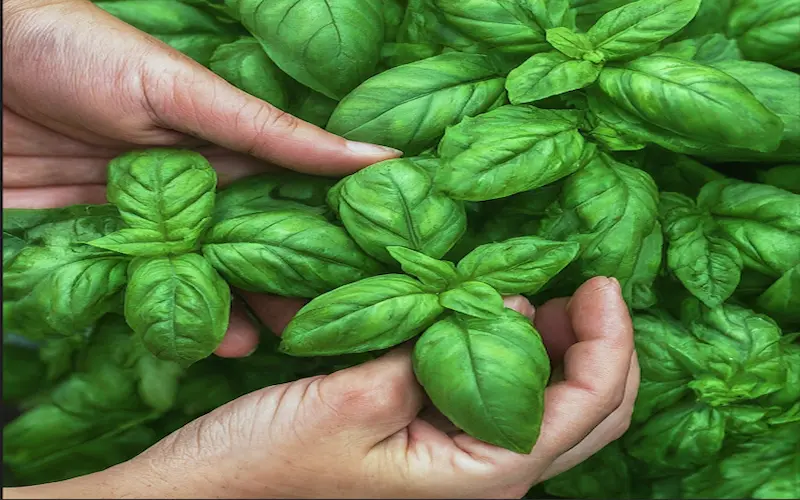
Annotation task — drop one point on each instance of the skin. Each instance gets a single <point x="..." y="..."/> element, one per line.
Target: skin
<point x="367" y="431"/>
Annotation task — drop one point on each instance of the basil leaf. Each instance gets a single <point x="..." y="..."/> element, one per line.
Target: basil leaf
<point x="410" y="106"/>
<point x="511" y="26"/>
<point x="637" y="26"/>
<point x="139" y="242"/>
<point x="432" y="272"/>
<point x="762" y="221"/>
<point x="487" y="376"/>
<point x="767" y="31"/>
<point x="368" y="315"/>
<point x="482" y="161"/>
<point x="395" y="203"/>
<point x="165" y="191"/>
<point x="570" y="43"/>
<point x="273" y="191"/>
<point x="548" y="74"/>
<point x="742" y="351"/>
<point x="663" y="91"/>
<point x="707" y="49"/>
<point x="640" y="287"/>
<point x="311" y="106"/>
<point x="329" y="47"/>
<point x="518" y="265"/>
<point x="245" y="65"/>
<point x="289" y="253"/>
<point x="178" y="305"/>
<point x="609" y="209"/>
<point x="681" y="437"/>
<point x="473" y="298"/>
<point x="783" y="176"/>
<point x="707" y="264"/>
<point x="593" y="478"/>
<point x="782" y="301"/>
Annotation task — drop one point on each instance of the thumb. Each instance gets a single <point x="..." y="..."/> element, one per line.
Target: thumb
<point x="195" y="101"/>
<point x="376" y="399"/>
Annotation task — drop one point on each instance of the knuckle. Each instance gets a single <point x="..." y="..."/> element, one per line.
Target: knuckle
<point x="611" y="399"/>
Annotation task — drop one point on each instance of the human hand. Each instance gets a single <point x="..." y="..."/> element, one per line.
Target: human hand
<point x="80" y="87"/>
<point x="368" y="432"/>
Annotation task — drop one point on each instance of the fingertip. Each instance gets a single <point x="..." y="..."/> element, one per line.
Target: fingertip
<point x="521" y="305"/>
<point x="241" y="338"/>
<point x="275" y="312"/>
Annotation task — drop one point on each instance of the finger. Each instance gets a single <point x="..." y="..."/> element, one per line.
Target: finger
<point x="610" y="429"/>
<point x="553" y="324"/>
<point x="378" y="398"/>
<point x="275" y="312"/>
<point x="191" y="99"/>
<point x="595" y="368"/>
<point x="241" y="338"/>
<point x="54" y="196"/>
<point x="521" y="305"/>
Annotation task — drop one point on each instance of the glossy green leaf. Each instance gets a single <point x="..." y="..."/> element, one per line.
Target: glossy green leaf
<point x="698" y="254"/>
<point x="432" y="272"/>
<point x="692" y="100"/>
<point x="707" y="49"/>
<point x="410" y="106"/>
<point x="167" y="191"/>
<point x="609" y="209"/>
<point x="767" y="30"/>
<point x="518" y="265"/>
<point x="178" y="305"/>
<point x="285" y="252"/>
<point x="782" y="300"/>
<point x="596" y="477"/>
<point x="329" y="47"/>
<point x="368" y="315"/>
<point x="681" y="437"/>
<point x="245" y="65"/>
<point x="482" y="161"/>
<point x="473" y="298"/>
<point x="487" y="376"/>
<point x="570" y="43"/>
<point x="783" y="176"/>
<point x="548" y="74"/>
<point x="637" y="26"/>
<point x="395" y="203"/>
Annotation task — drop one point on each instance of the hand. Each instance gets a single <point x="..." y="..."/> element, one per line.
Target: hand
<point x="367" y="431"/>
<point x="81" y="87"/>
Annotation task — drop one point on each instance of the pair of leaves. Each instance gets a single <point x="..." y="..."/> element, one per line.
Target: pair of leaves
<point x="733" y="225"/>
<point x="383" y="311"/>
<point x="164" y="196"/>
<point x="579" y="58"/>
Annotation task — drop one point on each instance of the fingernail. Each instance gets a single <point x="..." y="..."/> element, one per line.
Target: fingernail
<point x="364" y="148"/>
<point x="252" y="351"/>
<point x="615" y="283"/>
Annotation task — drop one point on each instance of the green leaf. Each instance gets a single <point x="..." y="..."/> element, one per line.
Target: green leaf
<point x="520" y="265"/>
<point x="684" y="437"/>
<point x="178" y="305"/>
<point x="473" y="298"/>
<point x="482" y="161"/>
<point x="742" y="351"/>
<point x="432" y="272"/>
<point x="692" y="100"/>
<point x="707" y="264"/>
<point x="272" y="191"/>
<point x="410" y="106"/>
<point x="548" y="74"/>
<point x="677" y="173"/>
<point x="783" y="176"/>
<point x="762" y="221"/>
<point x="707" y="49"/>
<point x="245" y="65"/>
<point x="162" y="190"/>
<point x="513" y="26"/>
<point x="311" y="106"/>
<point x="395" y="203"/>
<point x="371" y="314"/>
<point x="637" y="26"/>
<point x="782" y="300"/>
<point x="609" y="209"/>
<point x="140" y="242"/>
<point x="596" y="477"/>
<point x="330" y="47"/>
<point x="487" y="376"/>
<point x="285" y="252"/>
<point x="570" y="43"/>
<point x="767" y="31"/>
